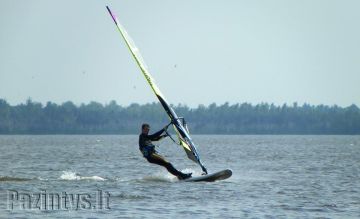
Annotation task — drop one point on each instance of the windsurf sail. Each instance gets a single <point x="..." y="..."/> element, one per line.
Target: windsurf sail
<point x="178" y="123"/>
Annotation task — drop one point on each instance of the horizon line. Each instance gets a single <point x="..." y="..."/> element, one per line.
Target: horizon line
<point x="178" y="104"/>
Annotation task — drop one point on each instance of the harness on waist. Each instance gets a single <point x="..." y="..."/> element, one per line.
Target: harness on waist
<point x="147" y="150"/>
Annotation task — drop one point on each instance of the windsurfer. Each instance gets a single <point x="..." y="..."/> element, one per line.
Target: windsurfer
<point x="148" y="150"/>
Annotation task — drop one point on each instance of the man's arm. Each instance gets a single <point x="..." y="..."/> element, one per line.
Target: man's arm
<point x="157" y="135"/>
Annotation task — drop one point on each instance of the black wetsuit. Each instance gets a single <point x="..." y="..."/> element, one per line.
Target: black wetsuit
<point x="148" y="150"/>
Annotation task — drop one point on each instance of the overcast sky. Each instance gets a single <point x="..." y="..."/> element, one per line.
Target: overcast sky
<point x="199" y="52"/>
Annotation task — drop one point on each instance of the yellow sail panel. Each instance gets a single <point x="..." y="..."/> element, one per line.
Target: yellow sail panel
<point x="185" y="145"/>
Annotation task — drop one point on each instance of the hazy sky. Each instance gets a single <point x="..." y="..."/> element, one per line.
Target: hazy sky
<point x="199" y="52"/>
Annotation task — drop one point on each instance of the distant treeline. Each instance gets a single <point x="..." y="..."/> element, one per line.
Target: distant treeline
<point x="244" y="118"/>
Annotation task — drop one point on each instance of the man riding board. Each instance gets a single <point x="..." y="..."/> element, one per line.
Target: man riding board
<point x="148" y="150"/>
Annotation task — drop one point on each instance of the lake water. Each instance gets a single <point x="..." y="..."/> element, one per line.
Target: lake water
<point x="105" y="176"/>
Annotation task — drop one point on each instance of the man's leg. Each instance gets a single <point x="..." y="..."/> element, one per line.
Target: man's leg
<point x="157" y="159"/>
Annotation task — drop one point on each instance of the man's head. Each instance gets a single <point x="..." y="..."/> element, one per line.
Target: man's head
<point x="145" y="128"/>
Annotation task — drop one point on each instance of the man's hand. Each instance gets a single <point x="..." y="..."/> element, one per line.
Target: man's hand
<point x="166" y="127"/>
<point x="165" y="130"/>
